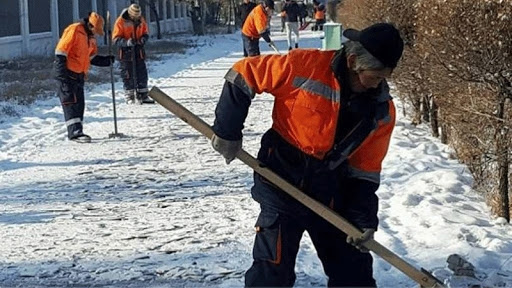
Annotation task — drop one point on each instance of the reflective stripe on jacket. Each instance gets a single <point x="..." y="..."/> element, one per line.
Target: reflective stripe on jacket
<point x="307" y="107"/>
<point x="78" y="47"/>
<point x="256" y="23"/>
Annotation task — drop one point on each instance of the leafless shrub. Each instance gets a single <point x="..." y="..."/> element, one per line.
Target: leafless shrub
<point x="457" y="73"/>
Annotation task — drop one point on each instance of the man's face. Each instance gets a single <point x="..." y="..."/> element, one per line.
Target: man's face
<point x="367" y="79"/>
<point x="362" y="80"/>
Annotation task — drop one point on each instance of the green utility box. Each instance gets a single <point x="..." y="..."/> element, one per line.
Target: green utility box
<point x="332" y="36"/>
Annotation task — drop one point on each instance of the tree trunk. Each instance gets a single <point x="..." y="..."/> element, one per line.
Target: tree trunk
<point x="444" y="134"/>
<point x="332" y="14"/>
<point x="426" y="108"/>
<point x="417" y="111"/>
<point x="434" y="120"/>
<point x="230" y="18"/>
<point x="502" y="153"/>
<point x="152" y="7"/>
<point x="203" y="17"/>
<point x="155" y="13"/>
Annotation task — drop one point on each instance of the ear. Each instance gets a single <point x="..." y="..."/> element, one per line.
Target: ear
<point x="351" y="61"/>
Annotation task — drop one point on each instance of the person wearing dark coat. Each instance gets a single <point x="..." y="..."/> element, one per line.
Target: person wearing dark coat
<point x="131" y="34"/>
<point x="303" y="12"/>
<point x="292" y="12"/>
<point x="75" y="52"/>
<point x="332" y="121"/>
<point x="195" y="16"/>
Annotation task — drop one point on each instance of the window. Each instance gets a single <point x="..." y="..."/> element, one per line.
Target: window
<point x="84" y="7"/>
<point x="161" y="9"/>
<point x="65" y="14"/>
<point x="39" y="16"/>
<point x="169" y="14"/>
<point x="10" y="18"/>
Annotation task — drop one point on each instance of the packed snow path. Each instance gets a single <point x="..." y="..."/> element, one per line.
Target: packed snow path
<point x="159" y="207"/>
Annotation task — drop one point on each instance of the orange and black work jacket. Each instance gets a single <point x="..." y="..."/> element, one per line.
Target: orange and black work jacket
<point x="76" y="51"/>
<point x="124" y="29"/>
<point x="256" y="24"/>
<point x="319" y="126"/>
<point x="319" y="13"/>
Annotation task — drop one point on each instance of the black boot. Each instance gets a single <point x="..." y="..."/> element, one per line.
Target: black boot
<point x="129" y="96"/>
<point x="144" y="98"/>
<point x="81" y="138"/>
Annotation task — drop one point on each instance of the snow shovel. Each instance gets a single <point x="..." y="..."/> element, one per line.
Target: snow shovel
<point x="109" y="41"/>
<point x="421" y="276"/>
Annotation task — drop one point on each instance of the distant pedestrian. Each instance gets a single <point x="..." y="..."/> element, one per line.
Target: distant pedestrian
<point x="75" y="52"/>
<point x="130" y="35"/>
<point x="303" y="14"/>
<point x="195" y="16"/>
<point x="256" y="26"/>
<point x="292" y="10"/>
<point x="283" y="20"/>
<point x="319" y="12"/>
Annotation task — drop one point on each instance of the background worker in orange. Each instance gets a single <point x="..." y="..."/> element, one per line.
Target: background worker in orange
<point x="74" y="53"/>
<point x="130" y="35"/>
<point x="256" y="27"/>
<point x="332" y="123"/>
<point x="319" y="13"/>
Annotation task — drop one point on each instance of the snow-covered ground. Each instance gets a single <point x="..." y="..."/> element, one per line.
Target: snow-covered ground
<point x="160" y="208"/>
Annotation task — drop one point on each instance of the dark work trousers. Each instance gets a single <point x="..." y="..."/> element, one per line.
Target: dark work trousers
<point x="251" y="46"/>
<point x="319" y="25"/>
<point x="126" y="65"/>
<point x="71" y="94"/>
<point x="142" y="75"/>
<point x="283" y="220"/>
<point x="277" y="243"/>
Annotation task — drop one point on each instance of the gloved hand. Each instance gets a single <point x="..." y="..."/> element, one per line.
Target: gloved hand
<point x="358" y="242"/>
<point x="130" y="43"/>
<point x="143" y="40"/>
<point x="112" y="58"/>
<point x="227" y="148"/>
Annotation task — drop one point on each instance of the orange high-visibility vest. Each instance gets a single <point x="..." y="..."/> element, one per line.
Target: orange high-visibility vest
<point x="256" y="23"/>
<point x="78" y="47"/>
<point x="124" y="29"/>
<point x="307" y="106"/>
<point x="319" y="14"/>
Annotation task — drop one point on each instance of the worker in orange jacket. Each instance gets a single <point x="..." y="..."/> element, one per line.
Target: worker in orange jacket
<point x="256" y="26"/>
<point x="319" y="12"/>
<point x="74" y="53"/>
<point x="332" y="124"/>
<point x="130" y="35"/>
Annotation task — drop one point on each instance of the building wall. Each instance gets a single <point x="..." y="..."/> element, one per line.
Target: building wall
<point x="33" y="27"/>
